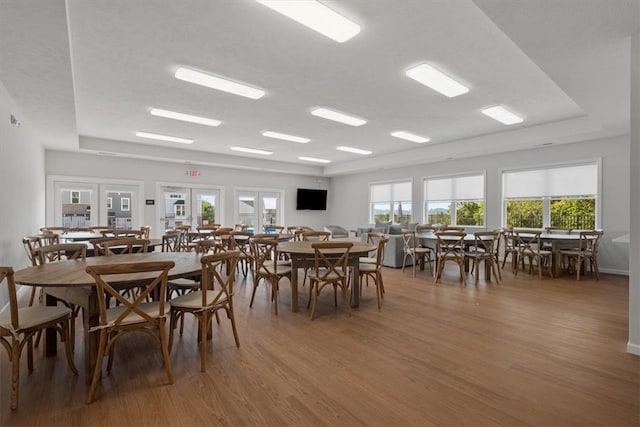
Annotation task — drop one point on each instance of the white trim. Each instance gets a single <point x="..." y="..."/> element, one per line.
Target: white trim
<point x="633" y="348"/>
<point x="614" y="271"/>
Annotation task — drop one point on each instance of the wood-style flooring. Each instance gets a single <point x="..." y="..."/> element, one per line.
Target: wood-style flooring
<point x="523" y="352"/>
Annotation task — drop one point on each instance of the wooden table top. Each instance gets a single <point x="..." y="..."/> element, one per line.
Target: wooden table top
<point x="72" y="272"/>
<point x="304" y="247"/>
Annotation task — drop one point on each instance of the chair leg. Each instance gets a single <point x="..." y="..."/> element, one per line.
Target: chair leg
<point x="345" y="292"/>
<point x="253" y="294"/>
<point x="203" y="317"/>
<point x="68" y="343"/>
<point x="15" y="372"/>
<point x="578" y="267"/>
<point x="232" y="318"/>
<point x="165" y="349"/>
<point x="97" y="371"/>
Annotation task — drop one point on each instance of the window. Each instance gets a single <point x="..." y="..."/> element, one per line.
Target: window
<point x="109" y="202"/>
<point x="455" y="200"/>
<point x="179" y="210"/>
<point x="125" y="204"/>
<point x="391" y="201"/>
<point x="561" y="196"/>
<point x="75" y="197"/>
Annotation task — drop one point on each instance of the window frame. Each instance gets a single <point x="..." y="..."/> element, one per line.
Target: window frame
<point x="109" y="202"/>
<point x="546" y="200"/>
<point x="453" y="202"/>
<point x="391" y="203"/>
<point x="122" y="203"/>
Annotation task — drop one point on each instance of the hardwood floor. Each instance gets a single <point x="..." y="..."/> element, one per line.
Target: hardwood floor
<point x="523" y="352"/>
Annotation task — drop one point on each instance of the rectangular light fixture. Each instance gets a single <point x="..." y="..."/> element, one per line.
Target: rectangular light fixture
<point x="164" y="137"/>
<point x="316" y="16"/>
<point x="219" y="83"/>
<point x="410" y="136"/>
<point x="313" y="159"/>
<point x="436" y="80"/>
<point x="184" y="117"/>
<point x="337" y="116"/>
<point x="292" y="138"/>
<point x="502" y="115"/>
<point x="252" y="151"/>
<point x="353" y="150"/>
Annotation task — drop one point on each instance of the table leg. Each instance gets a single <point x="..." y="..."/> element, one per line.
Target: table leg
<point x="294" y="283"/>
<point x="355" y="289"/>
<point x="50" y="335"/>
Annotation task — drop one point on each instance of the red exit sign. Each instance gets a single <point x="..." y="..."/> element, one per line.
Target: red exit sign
<point x="193" y="172"/>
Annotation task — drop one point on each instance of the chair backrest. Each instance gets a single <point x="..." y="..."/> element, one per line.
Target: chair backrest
<point x="528" y="241"/>
<point x="98" y="248"/>
<point x="273" y="229"/>
<point x="331" y="259"/>
<point x="183" y="227"/>
<point x="409" y="240"/>
<point x="590" y="241"/>
<point x="125" y="245"/>
<point x="240" y="241"/>
<point x="155" y="272"/>
<point x="145" y="231"/>
<point x="449" y="244"/>
<point x="426" y="228"/>
<point x="30" y="243"/>
<point x="264" y="252"/>
<point x="208" y="227"/>
<point x="171" y="241"/>
<point x="241" y="227"/>
<point x="206" y="246"/>
<point x="558" y="230"/>
<point x="6" y="273"/>
<point x="55" y="230"/>
<point x="99" y="228"/>
<point x="382" y="240"/>
<point x="486" y="241"/>
<point x="451" y="228"/>
<point x="121" y="233"/>
<point x="316" y="236"/>
<point x="212" y="277"/>
<point x="62" y="251"/>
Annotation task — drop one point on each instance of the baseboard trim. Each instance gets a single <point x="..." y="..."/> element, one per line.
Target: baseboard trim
<point x="633" y="348"/>
<point x="614" y="271"/>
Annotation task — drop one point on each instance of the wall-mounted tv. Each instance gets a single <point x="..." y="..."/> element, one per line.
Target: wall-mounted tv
<point x="309" y="199"/>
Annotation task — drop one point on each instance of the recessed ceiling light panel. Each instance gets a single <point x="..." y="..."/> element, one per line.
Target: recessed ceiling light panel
<point x="219" y="83"/>
<point x="337" y="116"/>
<point x="353" y="150"/>
<point x="184" y="117"/>
<point x="410" y="136"/>
<point x="502" y="115"/>
<point x="436" y="80"/>
<point x="313" y="159"/>
<point x="286" y="137"/>
<point x="252" y="151"/>
<point x="316" y="16"/>
<point x="164" y="137"/>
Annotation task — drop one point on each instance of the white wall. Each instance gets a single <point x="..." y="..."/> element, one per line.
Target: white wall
<point x="152" y="172"/>
<point x="351" y="192"/>
<point x="21" y="185"/>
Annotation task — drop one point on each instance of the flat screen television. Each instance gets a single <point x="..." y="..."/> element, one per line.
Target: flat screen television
<point x="313" y="200"/>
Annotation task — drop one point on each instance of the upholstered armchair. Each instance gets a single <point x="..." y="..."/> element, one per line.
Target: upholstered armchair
<point x="336" y="231"/>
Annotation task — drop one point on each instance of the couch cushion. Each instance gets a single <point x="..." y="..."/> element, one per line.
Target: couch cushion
<point x="382" y="227"/>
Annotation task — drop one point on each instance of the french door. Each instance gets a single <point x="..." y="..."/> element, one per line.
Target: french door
<point x="189" y="205"/>
<point x="259" y="209"/>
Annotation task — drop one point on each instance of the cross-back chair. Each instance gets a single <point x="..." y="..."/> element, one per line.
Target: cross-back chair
<point x="171" y="241"/>
<point x="484" y="250"/>
<point x="125" y="245"/>
<point x="417" y="253"/>
<point x="450" y="247"/>
<point x="373" y="271"/>
<point x="136" y="315"/>
<point x="530" y="247"/>
<point x="240" y="242"/>
<point x="330" y="268"/>
<point x="587" y="250"/>
<point x="19" y="325"/>
<point x="215" y="294"/>
<point x="267" y="267"/>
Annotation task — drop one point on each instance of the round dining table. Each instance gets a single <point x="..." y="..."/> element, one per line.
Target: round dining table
<point x="303" y="255"/>
<point x="67" y="280"/>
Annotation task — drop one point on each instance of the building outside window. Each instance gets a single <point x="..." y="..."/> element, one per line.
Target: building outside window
<point x="109" y="202"/>
<point x="179" y="210"/>
<point x="125" y="204"/>
<point x="391" y="201"/>
<point x="559" y="196"/>
<point x="455" y="200"/>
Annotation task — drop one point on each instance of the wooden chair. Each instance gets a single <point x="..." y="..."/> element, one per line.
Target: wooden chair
<point x="240" y="241"/>
<point x="54" y="230"/>
<point x="30" y="243"/>
<point x="449" y="247"/>
<point x="208" y="227"/>
<point x="313" y="236"/>
<point x="529" y="247"/>
<point x="587" y="250"/>
<point x="510" y="248"/>
<point x="279" y="229"/>
<point x="451" y="228"/>
<point x="125" y="245"/>
<point x="60" y="252"/>
<point x="411" y="249"/>
<point x="171" y="241"/>
<point x="207" y="301"/>
<point x="145" y="231"/>
<point x="265" y="255"/>
<point x="374" y="270"/>
<point x="330" y="268"/>
<point x="241" y="227"/>
<point x="484" y="250"/>
<point x="99" y="228"/>
<point x="373" y="237"/>
<point x="426" y="228"/>
<point x="137" y="315"/>
<point x="19" y="325"/>
<point x="122" y="233"/>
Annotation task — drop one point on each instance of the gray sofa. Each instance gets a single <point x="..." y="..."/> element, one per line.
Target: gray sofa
<point x="394" y="249"/>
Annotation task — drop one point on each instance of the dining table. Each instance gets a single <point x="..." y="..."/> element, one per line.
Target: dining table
<point x="302" y="255"/>
<point x="68" y="281"/>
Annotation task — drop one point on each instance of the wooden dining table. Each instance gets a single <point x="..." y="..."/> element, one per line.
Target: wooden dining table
<point x="68" y="281"/>
<point x="303" y="256"/>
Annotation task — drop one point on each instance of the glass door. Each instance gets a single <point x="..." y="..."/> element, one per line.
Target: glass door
<point x="205" y="206"/>
<point x="119" y="206"/>
<point x="259" y="209"/>
<point x="187" y="205"/>
<point x="75" y="204"/>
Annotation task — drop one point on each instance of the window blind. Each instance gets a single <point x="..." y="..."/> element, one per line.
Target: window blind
<point x="469" y="187"/>
<point x="391" y="192"/>
<point x="579" y="180"/>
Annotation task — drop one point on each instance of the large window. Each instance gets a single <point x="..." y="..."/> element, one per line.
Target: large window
<point x="561" y="196"/>
<point x="455" y="200"/>
<point x="391" y="201"/>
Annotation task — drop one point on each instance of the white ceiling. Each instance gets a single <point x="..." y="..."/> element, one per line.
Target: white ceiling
<point x="86" y="73"/>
